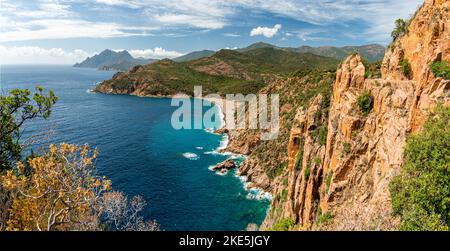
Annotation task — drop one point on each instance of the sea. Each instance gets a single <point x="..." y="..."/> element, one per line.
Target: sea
<point x="140" y="151"/>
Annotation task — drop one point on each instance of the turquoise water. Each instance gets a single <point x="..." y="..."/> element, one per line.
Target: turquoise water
<point x="140" y="151"/>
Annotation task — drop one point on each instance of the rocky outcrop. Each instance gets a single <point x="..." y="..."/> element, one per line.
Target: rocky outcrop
<point x="343" y="184"/>
<point x="427" y="40"/>
<point x="225" y="165"/>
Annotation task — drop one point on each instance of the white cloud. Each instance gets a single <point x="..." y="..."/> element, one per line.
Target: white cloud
<point x="374" y="19"/>
<point x="67" y="28"/>
<point x="156" y="53"/>
<point x="231" y="35"/>
<point x="312" y="35"/>
<point x="198" y="21"/>
<point x="38" y="55"/>
<point x="265" y="31"/>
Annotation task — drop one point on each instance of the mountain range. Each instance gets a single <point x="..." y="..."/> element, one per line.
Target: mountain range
<point x="370" y="52"/>
<point x="123" y="61"/>
<point x="226" y="71"/>
<point x="112" y="60"/>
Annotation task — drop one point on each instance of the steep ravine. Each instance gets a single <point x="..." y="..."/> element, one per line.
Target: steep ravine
<point x="343" y="184"/>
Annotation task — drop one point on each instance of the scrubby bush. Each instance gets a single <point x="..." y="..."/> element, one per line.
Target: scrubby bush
<point x="323" y="218"/>
<point x="284" y="194"/>
<point x="328" y="179"/>
<point x="441" y="69"/>
<point x="320" y="134"/>
<point x="17" y="108"/>
<point x="400" y="29"/>
<point x="277" y="171"/>
<point x="346" y="148"/>
<point x="283" y="225"/>
<point x="365" y="102"/>
<point x="421" y="193"/>
<point x="405" y="67"/>
<point x="307" y="171"/>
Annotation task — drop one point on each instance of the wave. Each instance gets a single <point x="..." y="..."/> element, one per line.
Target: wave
<point x="224" y="142"/>
<point x="191" y="156"/>
<point x="199" y="148"/>
<point x="209" y="130"/>
<point x="218" y="172"/>
<point x="258" y="194"/>
<point x="253" y="193"/>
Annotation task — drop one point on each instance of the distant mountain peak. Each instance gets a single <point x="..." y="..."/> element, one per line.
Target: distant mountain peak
<point x="113" y="60"/>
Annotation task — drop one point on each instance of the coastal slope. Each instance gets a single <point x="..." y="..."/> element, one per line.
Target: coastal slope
<point x="331" y="166"/>
<point x="342" y="182"/>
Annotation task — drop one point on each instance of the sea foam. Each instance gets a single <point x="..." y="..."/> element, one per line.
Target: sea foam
<point x="191" y="156"/>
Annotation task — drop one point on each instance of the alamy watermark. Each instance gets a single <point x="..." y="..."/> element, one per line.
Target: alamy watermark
<point x="249" y="111"/>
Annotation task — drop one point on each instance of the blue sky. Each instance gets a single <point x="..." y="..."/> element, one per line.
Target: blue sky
<point x="66" y="31"/>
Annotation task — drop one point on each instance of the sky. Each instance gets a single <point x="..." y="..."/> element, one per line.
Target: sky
<point x="68" y="31"/>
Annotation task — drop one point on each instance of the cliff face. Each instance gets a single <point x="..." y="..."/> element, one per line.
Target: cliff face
<point x="343" y="183"/>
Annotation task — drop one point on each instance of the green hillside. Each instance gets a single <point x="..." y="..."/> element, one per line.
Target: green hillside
<point x="227" y="71"/>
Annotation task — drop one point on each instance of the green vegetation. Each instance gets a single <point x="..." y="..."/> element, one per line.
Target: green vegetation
<point x="346" y="148"/>
<point x="400" y="29"/>
<point x="15" y="109"/>
<point x="57" y="190"/>
<point x="441" y="69"/>
<point x="285" y="224"/>
<point x="299" y="159"/>
<point x="421" y="193"/>
<point x="328" y="179"/>
<point x="320" y="134"/>
<point x="405" y="67"/>
<point x="277" y="171"/>
<point x="226" y="71"/>
<point x="323" y="218"/>
<point x="284" y="194"/>
<point x="317" y="160"/>
<point x="365" y="102"/>
<point x="373" y="69"/>
<point x="307" y="171"/>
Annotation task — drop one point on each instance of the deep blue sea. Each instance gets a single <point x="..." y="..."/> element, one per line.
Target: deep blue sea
<point x="140" y="151"/>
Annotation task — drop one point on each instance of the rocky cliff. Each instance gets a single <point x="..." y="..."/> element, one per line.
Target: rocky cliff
<point x="342" y="182"/>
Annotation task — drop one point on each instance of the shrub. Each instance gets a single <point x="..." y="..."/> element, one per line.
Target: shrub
<point x="365" y="102"/>
<point x="399" y="30"/>
<point x="307" y="171"/>
<point x="277" y="171"/>
<point x="323" y="218"/>
<point x="320" y="134"/>
<point x="373" y="69"/>
<point x="420" y="194"/>
<point x="16" y="109"/>
<point x="317" y="160"/>
<point x="283" y="225"/>
<point x="328" y="179"/>
<point x="441" y="69"/>
<point x="284" y="194"/>
<point x="299" y="157"/>
<point x="405" y="67"/>
<point x="346" y="148"/>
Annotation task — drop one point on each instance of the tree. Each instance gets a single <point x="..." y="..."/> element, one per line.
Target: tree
<point x="15" y="109"/>
<point x="365" y="102"/>
<point x="421" y="193"/>
<point x="399" y="30"/>
<point x="123" y="215"/>
<point x="60" y="189"/>
<point x="59" y="193"/>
